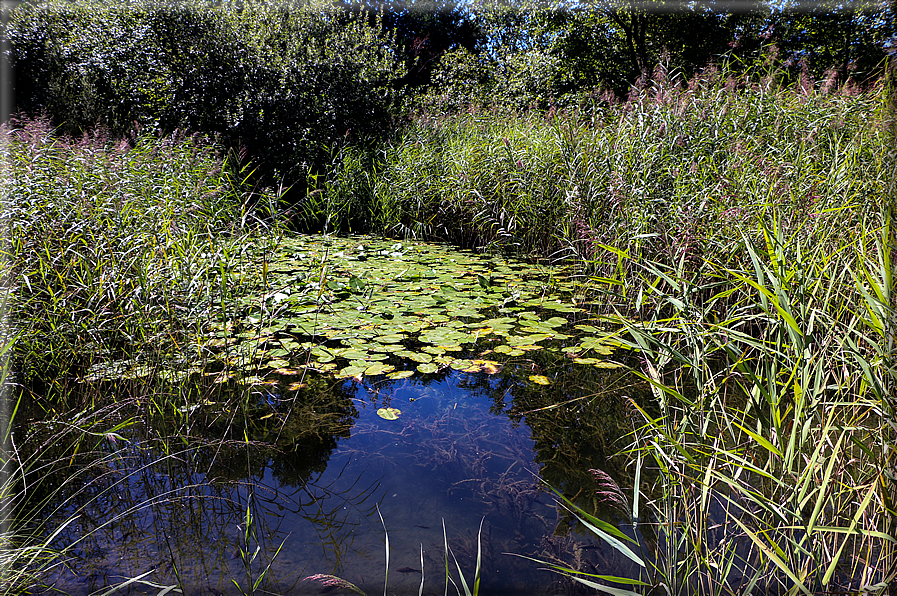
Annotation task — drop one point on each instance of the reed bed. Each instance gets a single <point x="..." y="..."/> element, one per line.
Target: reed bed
<point x="673" y="172"/>
<point x="116" y="245"/>
<point x="116" y="250"/>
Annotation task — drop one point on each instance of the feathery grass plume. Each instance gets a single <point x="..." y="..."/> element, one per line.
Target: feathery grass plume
<point x="609" y="491"/>
<point x="331" y="581"/>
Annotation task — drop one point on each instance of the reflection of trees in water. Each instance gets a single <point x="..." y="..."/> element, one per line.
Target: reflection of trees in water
<point x="577" y="422"/>
<point x="172" y="497"/>
<point x="480" y="456"/>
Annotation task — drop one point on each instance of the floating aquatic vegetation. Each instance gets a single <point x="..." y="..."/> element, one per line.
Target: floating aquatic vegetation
<point x="389" y="413"/>
<point x="363" y="307"/>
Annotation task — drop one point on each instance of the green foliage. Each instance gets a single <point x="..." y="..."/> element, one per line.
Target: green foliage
<point x="285" y="83"/>
<point x="114" y="248"/>
<point x="821" y="40"/>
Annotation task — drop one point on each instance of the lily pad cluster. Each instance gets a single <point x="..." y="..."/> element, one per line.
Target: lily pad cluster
<point x="360" y="306"/>
<point x="364" y="307"/>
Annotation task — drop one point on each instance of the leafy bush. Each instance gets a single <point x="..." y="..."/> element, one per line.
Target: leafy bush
<point x="285" y="83"/>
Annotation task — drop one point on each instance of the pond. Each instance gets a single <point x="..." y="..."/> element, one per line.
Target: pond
<point x="369" y="391"/>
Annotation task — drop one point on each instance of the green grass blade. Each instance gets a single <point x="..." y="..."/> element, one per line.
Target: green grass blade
<point x="763" y="441"/>
<point x="476" y="579"/>
<point x="761" y="544"/>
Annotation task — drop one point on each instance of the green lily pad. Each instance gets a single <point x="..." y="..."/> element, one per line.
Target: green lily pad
<point x="420" y="357"/>
<point x="461" y="364"/>
<point x="351" y="371"/>
<point x="378" y="369"/>
<point x="427" y="368"/>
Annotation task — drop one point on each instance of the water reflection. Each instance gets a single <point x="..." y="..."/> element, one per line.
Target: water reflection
<point x="297" y="484"/>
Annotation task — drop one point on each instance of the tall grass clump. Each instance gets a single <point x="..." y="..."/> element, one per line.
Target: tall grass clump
<point x="668" y="175"/>
<point x="116" y="249"/>
<point x="116" y="254"/>
<point x="763" y="460"/>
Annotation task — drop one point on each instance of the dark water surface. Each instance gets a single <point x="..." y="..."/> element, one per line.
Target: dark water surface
<point x="467" y="448"/>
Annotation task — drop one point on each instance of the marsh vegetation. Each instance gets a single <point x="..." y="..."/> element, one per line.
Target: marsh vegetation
<point x="649" y="337"/>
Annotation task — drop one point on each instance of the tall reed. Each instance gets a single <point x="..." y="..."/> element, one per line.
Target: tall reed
<point x="114" y="248"/>
<point x="670" y="174"/>
<point x="115" y="253"/>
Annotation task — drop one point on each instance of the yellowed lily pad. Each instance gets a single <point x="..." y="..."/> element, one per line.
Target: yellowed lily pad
<point x="490" y="367"/>
<point x="389" y="413"/>
<point x="528" y="347"/>
<point x="400" y="374"/>
<point x="607" y="364"/>
<point x="539" y="379"/>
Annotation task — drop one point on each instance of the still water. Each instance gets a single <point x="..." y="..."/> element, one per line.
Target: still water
<point x="465" y="449"/>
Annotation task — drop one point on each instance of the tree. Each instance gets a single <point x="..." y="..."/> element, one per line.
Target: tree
<point x="422" y="31"/>
<point x="847" y="38"/>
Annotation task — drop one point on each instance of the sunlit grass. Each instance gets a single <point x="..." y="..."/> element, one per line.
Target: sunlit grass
<point x="673" y="174"/>
<point x="115" y="252"/>
<point x="115" y="249"/>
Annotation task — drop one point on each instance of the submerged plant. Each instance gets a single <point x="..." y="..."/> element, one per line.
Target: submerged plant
<point x="472" y="589"/>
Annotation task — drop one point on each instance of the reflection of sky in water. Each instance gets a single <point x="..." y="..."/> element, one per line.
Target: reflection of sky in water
<point x="446" y="457"/>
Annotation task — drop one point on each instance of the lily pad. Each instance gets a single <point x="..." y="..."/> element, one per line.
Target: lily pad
<point x="420" y="357"/>
<point x="389" y="413"/>
<point x="378" y="369"/>
<point x="490" y="367"/>
<point x="427" y="368"/>
<point x="400" y="374"/>
<point x="539" y="379"/>
<point x="607" y="364"/>
<point x="351" y="371"/>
